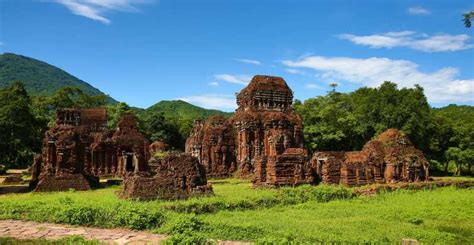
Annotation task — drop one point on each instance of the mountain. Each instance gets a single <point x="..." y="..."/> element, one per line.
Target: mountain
<point x="184" y="110"/>
<point x="40" y="78"/>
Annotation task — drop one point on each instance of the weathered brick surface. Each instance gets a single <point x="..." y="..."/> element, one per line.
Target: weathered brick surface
<point x="270" y="134"/>
<point x="213" y="143"/>
<point x="156" y="147"/>
<point x="391" y="157"/>
<point x="79" y="148"/>
<point x="175" y="176"/>
<point x="263" y="139"/>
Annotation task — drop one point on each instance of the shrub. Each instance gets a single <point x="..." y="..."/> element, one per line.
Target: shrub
<point x="322" y="193"/>
<point x="187" y="231"/>
<point x="138" y="217"/>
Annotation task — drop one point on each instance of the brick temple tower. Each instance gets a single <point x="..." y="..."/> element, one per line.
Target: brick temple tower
<point x="269" y="133"/>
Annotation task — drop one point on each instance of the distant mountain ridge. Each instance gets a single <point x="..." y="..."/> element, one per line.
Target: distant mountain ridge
<point x="184" y="110"/>
<point x="40" y="78"/>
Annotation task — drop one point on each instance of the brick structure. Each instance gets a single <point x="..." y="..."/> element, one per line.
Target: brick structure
<point x="213" y="143"/>
<point x="79" y="148"/>
<point x="157" y="147"/>
<point x="390" y="157"/>
<point x="175" y="176"/>
<point x="290" y="168"/>
<point x="264" y="137"/>
<point x="270" y="134"/>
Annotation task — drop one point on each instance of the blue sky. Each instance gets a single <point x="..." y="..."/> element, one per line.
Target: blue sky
<point x="204" y="51"/>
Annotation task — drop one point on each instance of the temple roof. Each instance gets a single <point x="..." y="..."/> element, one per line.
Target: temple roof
<point x="266" y="83"/>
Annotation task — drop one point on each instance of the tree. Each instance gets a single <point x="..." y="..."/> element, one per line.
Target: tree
<point x="467" y="18"/>
<point x="329" y="122"/>
<point x="115" y="112"/>
<point x="45" y="107"/>
<point x="20" y="132"/>
<point x="341" y="121"/>
<point x="467" y="157"/>
<point x="453" y="154"/>
<point x="157" y="128"/>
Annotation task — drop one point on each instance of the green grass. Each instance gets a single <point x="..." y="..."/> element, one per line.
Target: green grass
<point x="444" y="214"/>
<point x="239" y="212"/>
<point x="455" y="178"/>
<point x="66" y="240"/>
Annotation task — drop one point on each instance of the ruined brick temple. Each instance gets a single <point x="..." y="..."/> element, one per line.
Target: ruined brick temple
<point x="174" y="176"/>
<point x="79" y="149"/>
<point x="264" y="137"/>
<point x="390" y="157"/>
<point x="270" y="134"/>
<point x="213" y="143"/>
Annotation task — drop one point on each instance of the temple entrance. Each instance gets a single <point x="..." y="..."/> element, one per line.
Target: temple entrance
<point x="129" y="166"/>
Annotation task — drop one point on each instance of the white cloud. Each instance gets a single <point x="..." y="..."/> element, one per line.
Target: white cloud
<point x="410" y="39"/>
<point x="312" y="86"/>
<point x="440" y="86"/>
<point x="213" y="84"/>
<point x="417" y="10"/>
<point x="96" y="9"/>
<point x="237" y="79"/>
<point x="213" y="101"/>
<point x="294" y="71"/>
<point x="249" y="61"/>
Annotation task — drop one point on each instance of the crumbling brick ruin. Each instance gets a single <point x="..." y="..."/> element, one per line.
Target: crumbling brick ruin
<point x="270" y="134"/>
<point x="390" y="157"/>
<point x="213" y="143"/>
<point x="175" y="176"/>
<point x="157" y="147"/>
<point x="79" y="148"/>
<point x="264" y="137"/>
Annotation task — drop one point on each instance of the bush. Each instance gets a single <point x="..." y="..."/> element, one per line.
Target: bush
<point x="187" y="231"/>
<point x="321" y="193"/>
<point x="138" y="217"/>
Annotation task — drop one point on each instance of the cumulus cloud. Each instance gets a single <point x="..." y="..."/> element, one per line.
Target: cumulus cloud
<point x="417" y="10"/>
<point x="410" y="39"/>
<point x="249" y="61"/>
<point x="96" y="9"/>
<point x="237" y="79"/>
<point x="440" y="86"/>
<point x="212" y="101"/>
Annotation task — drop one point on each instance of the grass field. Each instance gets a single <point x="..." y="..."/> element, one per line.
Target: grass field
<point x="238" y="212"/>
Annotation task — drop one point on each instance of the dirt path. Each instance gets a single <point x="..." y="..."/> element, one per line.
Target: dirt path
<point x="32" y="230"/>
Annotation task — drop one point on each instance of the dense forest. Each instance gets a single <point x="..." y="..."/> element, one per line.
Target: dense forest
<point x="336" y="121"/>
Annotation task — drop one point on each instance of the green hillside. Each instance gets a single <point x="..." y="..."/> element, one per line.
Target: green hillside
<point x="183" y="110"/>
<point x="40" y="78"/>
<point x="458" y="114"/>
